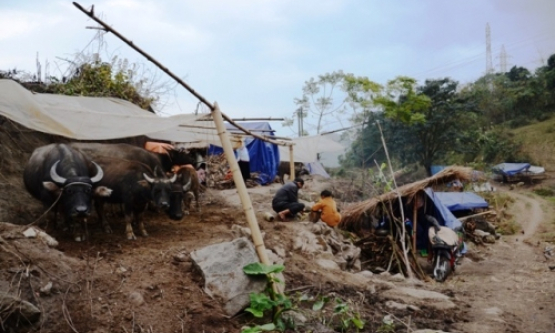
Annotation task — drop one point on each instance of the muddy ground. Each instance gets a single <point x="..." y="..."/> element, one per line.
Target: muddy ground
<point x="110" y="284"/>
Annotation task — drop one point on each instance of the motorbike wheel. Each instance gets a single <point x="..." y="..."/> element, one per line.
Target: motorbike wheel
<point x="442" y="267"/>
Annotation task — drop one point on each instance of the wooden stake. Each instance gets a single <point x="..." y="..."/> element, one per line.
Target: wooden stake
<point x="414" y="222"/>
<point x="242" y="190"/>
<point x="291" y="164"/>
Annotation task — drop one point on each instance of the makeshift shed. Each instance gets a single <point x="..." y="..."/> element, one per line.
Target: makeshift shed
<point x="264" y="156"/>
<point x="360" y="217"/>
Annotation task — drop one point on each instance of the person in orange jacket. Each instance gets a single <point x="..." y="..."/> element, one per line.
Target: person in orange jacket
<point x="328" y="209"/>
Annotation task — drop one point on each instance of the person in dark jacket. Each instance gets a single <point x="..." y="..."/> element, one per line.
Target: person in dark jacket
<point x="285" y="201"/>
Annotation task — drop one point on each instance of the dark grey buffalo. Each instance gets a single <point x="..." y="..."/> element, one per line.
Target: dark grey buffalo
<point x="284" y="168"/>
<point x="59" y="175"/>
<point x="137" y="177"/>
<point x="134" y="185"/>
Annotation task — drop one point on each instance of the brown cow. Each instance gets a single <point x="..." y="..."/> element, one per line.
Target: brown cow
<point x="186" y="174"/>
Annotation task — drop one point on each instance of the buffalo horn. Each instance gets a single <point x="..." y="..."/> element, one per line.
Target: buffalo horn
<point x="148" y="178"/>
<point x="99" y="174"/>
<point x="54" y="175"/>
<point x="187" y="186"/>
<point x="174" y="177"/>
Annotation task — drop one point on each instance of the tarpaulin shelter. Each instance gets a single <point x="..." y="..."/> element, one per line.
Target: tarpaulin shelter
<point x="518" y="171"/>
<point x="264" y="156"/>
<point x="456" y="201"/>
<point x="306" y="148"/>
<point x="316" y="168"/>
<point x="511" y="169"/>
<point x="96" y="118"/>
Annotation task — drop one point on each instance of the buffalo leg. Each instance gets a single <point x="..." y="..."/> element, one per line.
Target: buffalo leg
<point x="99" y="206"/>
<point x="79" y="229"/>
<point x="188" y="198"/>
<point x="197" y="197"/>
<point x="139" y="221"/>
<point x="129" y="228"/>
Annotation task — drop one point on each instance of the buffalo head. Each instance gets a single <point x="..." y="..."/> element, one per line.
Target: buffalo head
<point x="75" y="193"/>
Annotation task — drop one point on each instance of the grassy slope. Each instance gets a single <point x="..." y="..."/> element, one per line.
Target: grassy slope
<point x="539" y="142"/>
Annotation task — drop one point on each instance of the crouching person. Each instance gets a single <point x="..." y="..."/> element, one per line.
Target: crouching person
<point x="326" y="210"/>
<point x="286" y="202"/>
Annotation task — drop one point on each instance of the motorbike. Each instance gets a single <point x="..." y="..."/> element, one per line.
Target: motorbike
<point x="446" y="246"/>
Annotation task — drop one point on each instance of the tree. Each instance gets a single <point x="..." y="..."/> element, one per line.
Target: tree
<point x="322" y="98"/>
<point x="400" y="102"/>
<point x="426" y="136"/>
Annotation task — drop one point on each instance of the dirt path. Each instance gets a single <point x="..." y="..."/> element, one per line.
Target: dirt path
<point x="508" y="286"/>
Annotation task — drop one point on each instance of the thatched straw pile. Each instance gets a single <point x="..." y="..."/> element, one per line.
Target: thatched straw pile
<point x="353" y="215"/>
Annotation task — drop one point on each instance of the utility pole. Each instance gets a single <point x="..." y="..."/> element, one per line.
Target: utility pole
<point x="503" y="60"/>
<point x="489" y="63"/>
<point x="300" y="118"/>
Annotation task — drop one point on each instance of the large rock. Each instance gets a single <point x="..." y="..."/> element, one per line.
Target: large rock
<point x="222" y="268"/>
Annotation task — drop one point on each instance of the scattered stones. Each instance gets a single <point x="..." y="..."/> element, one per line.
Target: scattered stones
<point x="182" y="257"/>
<point x="33" y="232"/>
<point x="136" y="298"/>
<point x="328" y="264"/>
<point x="46" y="289"/>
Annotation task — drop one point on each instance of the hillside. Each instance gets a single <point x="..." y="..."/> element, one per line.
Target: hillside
<point x="539" y="142"/>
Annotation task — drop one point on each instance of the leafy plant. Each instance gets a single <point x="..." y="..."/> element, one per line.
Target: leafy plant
<point x="267" y="300"/>
<point x="342" y="314"/>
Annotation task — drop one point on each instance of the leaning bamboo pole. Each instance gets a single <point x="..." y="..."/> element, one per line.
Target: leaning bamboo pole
<point x="108" y="28"/>
<point x="403" y="229"/>
<point x="241" y="189"/>
<point x="218" y="117"/>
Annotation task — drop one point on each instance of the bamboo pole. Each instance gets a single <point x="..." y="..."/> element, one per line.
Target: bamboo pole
<point x="218" y="117"/>
<point x="291" y="164"/>
<point x="108" y="28"/>
<point x="414" y="222"/>
<point x="403" y="229"/>
<point x="242" y="190"/>
<point x="492" y="212"/>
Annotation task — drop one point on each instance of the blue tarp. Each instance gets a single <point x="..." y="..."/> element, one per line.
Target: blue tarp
<point x="511" y="169"/>
<point x="443" y="215"/>
<point x="461" y="200"/>
<point x="436" y="168"/>
<point x="264" y="156"/>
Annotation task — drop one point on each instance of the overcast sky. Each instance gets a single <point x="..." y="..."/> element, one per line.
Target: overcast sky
<point x="253" y="57"/>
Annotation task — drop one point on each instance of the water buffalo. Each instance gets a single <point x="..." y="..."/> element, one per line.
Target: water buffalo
<point x="134" y="185"/>
<point x="59" y="175"/>
<point x="284" y="168"/>
<point x="187" y="177"/>
<point x="126" y="152"/>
